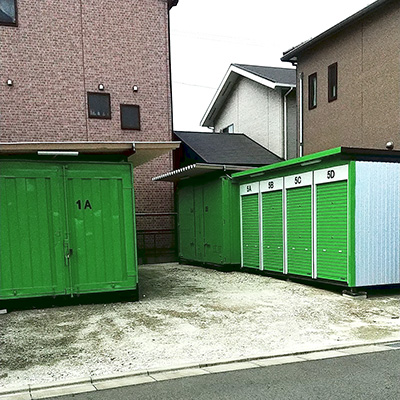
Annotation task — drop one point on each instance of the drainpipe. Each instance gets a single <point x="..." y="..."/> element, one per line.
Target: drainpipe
<point x="301" y="115"/>
<point x="285" y="124"/>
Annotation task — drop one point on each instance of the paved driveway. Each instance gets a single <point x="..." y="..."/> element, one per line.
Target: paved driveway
<point x="187" y="314"/>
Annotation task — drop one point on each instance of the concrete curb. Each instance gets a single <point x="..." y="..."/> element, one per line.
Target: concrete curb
<point x="96" y="383"/>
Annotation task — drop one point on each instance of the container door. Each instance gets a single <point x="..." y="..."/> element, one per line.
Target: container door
<point x="272" y="216"/>
<point x="32" y="230"/>
<point x="213" y="222"/>
<point x="199" y="223"/>
<point x="100" y="222"/>
<point x="186" y="215"/>
<point x="250" y="225"/>
<point x="331" y="223"/>
<point x="299" y="224"/>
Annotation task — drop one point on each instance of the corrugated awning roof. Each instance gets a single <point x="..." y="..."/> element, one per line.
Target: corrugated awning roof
<point x="138" y="153"/>
<point x="198" y="169"/>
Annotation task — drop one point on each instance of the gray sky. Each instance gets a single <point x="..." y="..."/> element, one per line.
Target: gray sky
<point x="208" y="35"/>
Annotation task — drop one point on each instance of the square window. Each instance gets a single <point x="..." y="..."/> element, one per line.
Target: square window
<point x="130" y="117"/>
<point x="99" y="105"/>
<point x="332" y="82"/>
<point x="8" y="12"/>
<point x="312" y="91"/>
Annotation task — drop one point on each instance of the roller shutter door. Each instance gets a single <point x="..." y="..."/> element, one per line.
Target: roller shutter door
<point x="272" y="231"/>
<point x="331" y="225"/>
<point x="299" y="230"/>
<point x="250" y="231"/>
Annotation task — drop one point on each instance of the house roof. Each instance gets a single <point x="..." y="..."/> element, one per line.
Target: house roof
<point x="280" y="76"/>
<point x="292" y="54"/>
<point x="172" y="3"/>
<point x="271" y="77"/>
<point x="225" y="148"/>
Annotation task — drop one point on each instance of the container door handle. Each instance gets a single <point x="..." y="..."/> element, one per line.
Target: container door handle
<point x="69" y="254"/>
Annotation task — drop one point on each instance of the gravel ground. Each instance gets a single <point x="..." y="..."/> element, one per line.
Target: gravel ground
<point x="187" y="314"/>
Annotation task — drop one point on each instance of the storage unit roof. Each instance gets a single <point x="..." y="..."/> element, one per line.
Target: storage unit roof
<point x="291" y="55"/>
<point x="344" y="153"/>
<point x="138" y="153"/>
<point x="225" y="148"/>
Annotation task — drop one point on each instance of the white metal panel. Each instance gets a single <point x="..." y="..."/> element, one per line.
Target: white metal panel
<point x="249" y="188"/>
<point x="333" y="174"/>
<point x="271" y="185"/>
<point x="377" y="223"/>
<point x="299" y="180"/>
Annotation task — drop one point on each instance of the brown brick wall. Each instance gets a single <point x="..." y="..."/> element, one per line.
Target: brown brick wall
<point x="367" y="110"/>
<point x="63" y="49"/>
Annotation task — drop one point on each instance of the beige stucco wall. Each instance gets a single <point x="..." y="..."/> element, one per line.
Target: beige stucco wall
<point x="256" y="111"/>
<point x="367" y="111"/>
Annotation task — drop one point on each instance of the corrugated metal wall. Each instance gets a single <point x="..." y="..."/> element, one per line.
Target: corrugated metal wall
<point x="377" y="223"/>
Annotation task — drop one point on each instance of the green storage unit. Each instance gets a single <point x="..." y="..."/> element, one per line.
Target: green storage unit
<point x="208" y="220"/>
<point x="332" y="216"/>
<point x="66" y="228"/>
<point x="250" y="227"/>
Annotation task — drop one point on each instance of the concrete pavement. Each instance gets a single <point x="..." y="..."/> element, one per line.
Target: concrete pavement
<point x="94" y="384"/>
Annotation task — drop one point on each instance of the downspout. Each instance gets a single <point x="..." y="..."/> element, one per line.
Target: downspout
<point x="301" y="115"/>
<point x="285" y="124"/>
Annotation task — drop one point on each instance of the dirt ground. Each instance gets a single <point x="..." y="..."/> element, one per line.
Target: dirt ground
<point x="187" y="314"/>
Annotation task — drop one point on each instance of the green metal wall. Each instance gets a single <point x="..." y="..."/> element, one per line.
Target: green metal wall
<point x="186" y="223"/>
<point x="208" y="221"/>
<point x="66" y="229"/>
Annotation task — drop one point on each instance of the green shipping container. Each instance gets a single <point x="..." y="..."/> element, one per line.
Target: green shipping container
<point x="332" y="216"/>
<point x="208" y="220"/>
<point x="66" y="228"/>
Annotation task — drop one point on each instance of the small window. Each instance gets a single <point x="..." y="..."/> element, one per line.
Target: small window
<point x="312" y="91"/>
<point x="332" y="82"/>
<point x="130" y="117"/>
<point x="99" y="105"/>
<point x="228" y="129"/>
<point x="8" y="12"/>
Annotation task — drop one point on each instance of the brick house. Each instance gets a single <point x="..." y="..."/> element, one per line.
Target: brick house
<point x="348" y="81"/>
<point x="90" y="71"/>
<point x="260" y="102"/>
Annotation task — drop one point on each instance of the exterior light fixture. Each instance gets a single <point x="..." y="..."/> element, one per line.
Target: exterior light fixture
<point x="390" y="145"/>
<point x="135" y="88"/>
<point x="101" y="86"/>
<point x="10" y="82"/>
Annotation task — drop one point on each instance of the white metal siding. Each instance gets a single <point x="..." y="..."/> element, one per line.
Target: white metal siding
<point x="377" y="223"/>
<point x="256" y="111"/>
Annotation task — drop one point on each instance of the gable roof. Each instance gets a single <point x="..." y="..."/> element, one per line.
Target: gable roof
<point x="226" y="148"/>
<point x="279" y="76"/>
<point x="271" y="77"/>
<point x="291" y="54"/>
